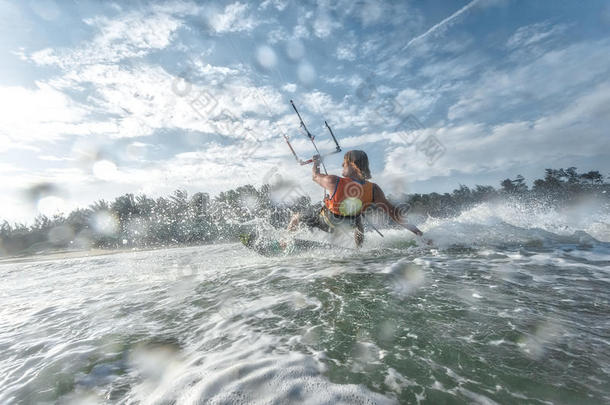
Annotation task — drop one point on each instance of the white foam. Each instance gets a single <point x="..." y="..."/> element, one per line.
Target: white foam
<point x="492" y="223"/>
<point x="255" y="377"/>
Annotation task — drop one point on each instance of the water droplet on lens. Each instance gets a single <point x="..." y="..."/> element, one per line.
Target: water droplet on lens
<point x="407" y="277"/>
<point x="105" y="223"/>
<point x="135" y="150"/>
<point x="105" y="170"/>
<point x="60" y="235"/>
<point x="306" y="73"/>
<point x="84" y="239"/>
<point x="266" y="58"/>
<point x="51" y="205"/>
<point x="295" y="49"/>
<point x="386" y="330"/>
<point x="41" y="190"/>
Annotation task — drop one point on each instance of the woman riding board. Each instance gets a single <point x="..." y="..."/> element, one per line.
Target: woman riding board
<point x="349" y="196"/>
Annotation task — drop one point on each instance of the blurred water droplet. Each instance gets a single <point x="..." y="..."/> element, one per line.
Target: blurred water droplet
<point x="60" y="235"/>
<point x="295" y="49"/>
<point x="365" y="354"/>
<point x="82" y="398"/>
<point x="154" y="362"/>
<point x="386" y="331"/>
<point x="86" y="151"/>
<point x="407" y="277"/>
<point x="284" y="192"/>
<point x="84" y="239"/>
<point x="399" y="186"/>
<point x="41" y="190"/>
<point x="311" y="336"/>
<point x="105" y="223"/>
<point x="299" y="301"/>
<point x="194" y="139"/>
<point x="266" y="58"/>
<point x="230" y="307"/>
<point x="105" y="170"/>
<point x="306" y="73"/>
<point x="135" y="150"/>
<point x="51" y="205"/>
<point x="537" y="343"/>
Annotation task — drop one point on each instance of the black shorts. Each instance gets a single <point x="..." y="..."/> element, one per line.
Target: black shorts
<point x="313" y="219"/>
<point x="327" y="221"/>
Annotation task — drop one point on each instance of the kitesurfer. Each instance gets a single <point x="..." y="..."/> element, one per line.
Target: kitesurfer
<point x="349" y="196"/>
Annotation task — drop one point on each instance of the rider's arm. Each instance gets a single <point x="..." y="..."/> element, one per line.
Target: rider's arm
<point x="380" y="200"/>
<point x="328" y="181"/>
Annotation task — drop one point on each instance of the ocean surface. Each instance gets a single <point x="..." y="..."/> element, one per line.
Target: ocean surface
<point x="506" y="307"/>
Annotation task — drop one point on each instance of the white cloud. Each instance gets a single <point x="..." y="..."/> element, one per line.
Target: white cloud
<point x="233" y="18"/>
<point x="371" y="12"/>
<point x="137" y="100"/>
<point x="346" y="113"/>
<point x="458" y="68"/>
<point x="52" y="158"/>
<point x="131" y="35"/>
<point x="276" y="35"/>
<point x="577" y="130"/>
<point x="30" y="116"/>
<point x="318" y="102"/>
<point x="557" y="73"/>
<point x="7" y="167"/>
<point x="371" y="46"/>
<point x="280" y="5"/>
<point x="324" y="24"/>
<point x="346" y="51"/>
<point x="290" y="87"/>
<point x="301" y="29"/>
<point x="414" y="100"/>
<point x="352" y="80"/>
<point x="533" y="34"/>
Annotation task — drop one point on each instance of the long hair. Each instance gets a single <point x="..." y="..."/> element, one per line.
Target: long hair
<point x="359" y="161"/>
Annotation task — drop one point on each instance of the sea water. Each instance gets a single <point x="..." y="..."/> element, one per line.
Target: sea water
<point x="503" y="308"/>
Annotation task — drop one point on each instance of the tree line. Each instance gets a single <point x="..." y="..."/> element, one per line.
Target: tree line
<point x="141" y="221"/>
<point x="558" y="187"/>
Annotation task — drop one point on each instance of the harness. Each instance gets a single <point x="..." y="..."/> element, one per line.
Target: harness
<point x="350" y="198"/>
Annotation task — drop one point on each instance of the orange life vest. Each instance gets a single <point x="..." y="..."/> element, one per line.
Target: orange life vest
<point x="350" y="198"/>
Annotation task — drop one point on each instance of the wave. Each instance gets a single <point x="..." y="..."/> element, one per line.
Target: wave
<point x="513" y="222"/>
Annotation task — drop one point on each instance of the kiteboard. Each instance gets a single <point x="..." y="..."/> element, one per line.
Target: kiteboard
<point x="270" y="246"/>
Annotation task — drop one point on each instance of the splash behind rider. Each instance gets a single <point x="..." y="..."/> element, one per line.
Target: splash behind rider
<point x="348" y="197"/>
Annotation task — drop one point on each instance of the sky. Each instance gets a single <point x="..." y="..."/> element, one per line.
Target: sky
<point x="98" y="99"/>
